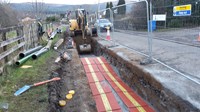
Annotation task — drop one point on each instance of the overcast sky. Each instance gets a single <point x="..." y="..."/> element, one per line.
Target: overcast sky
<point x="74" y="2"/>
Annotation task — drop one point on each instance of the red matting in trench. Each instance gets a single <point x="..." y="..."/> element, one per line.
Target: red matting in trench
<point x="102" y="79"/>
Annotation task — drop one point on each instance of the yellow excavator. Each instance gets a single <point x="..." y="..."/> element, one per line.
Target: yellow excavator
<point x="80" y="32"/>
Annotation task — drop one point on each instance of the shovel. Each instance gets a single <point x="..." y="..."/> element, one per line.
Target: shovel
<point x="26" y="87"/>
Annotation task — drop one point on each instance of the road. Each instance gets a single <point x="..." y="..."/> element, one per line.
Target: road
<point x="181" y="57"/>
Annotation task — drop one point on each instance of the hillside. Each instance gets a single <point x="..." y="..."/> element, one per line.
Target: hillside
<point x="54" y="8"/>
<point x="59" y="8"/>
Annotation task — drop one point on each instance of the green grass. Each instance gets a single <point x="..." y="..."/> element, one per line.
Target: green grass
<point x="63" y="29"/>
<point x="11" y="34"/>
<point x="36" y="98"/>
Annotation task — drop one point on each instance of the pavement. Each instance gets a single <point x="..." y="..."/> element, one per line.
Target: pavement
<point x="181" y="57"/>
<point x="187" y="36"/>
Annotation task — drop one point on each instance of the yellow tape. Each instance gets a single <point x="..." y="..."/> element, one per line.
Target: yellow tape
<point x="87" y="61"/>
<point x="133" y="101"/>
<point x="101" y="91"/>
<point x="99" y="59"/>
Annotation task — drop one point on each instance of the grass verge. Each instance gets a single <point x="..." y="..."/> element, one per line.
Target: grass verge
<point x="36" y="98"/>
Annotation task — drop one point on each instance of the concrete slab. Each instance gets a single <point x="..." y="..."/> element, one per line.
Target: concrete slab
<point x="98" y="75"/>
<point x="91" y="68"/>
<point x="105" y="67"/>
<point x="111" y="105"/>
<point x="100" y="60"/>
<point x="108" y="78"/>
<point x="87" y="61"/>
<point x="95" y="88"/>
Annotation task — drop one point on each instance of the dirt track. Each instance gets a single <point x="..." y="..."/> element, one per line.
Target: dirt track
<point x="73" y="78"/>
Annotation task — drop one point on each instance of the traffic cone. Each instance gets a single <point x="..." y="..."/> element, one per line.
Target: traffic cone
<point x="198" y="39"/>
<point x="108" y="34"/>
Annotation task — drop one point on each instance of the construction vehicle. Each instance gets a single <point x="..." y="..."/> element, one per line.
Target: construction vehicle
<point x="80" y="32"/>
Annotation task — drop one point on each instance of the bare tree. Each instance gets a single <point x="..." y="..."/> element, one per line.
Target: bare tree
<point x="4" y="2"/>
<point x="38" y="9"/>
<point x="9" y="17"/>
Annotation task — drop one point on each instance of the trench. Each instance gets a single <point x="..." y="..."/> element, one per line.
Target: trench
<point x="74" y="78"/>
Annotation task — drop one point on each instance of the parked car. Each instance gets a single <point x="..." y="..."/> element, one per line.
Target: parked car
<point x="103" y="24"/>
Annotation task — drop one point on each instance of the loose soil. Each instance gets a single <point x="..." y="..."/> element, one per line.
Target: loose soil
<point x="72" y="78"/>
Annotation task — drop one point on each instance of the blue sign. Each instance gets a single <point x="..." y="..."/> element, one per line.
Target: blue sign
<point x="182" y="13"/>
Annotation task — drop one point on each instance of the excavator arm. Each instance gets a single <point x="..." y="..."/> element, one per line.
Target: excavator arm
<point x="81" y="33"/>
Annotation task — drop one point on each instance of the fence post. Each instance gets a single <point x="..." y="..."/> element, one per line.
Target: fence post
<point x="35" y="35"/>
<point x="4" y="47"/>
<point x="19" y="33"/>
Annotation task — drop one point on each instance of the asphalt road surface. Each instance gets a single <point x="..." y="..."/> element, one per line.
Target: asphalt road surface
<point x="185" y="58"/>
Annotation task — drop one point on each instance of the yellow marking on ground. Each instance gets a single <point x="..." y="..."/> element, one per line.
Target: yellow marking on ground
<point x="91" y="70"/>
<point x="101" y="91"/>
<point x="99" y="59"/>
<point x="87" y="61"/>
<point x="133" y="101"/>
<point x="94" y="76"/>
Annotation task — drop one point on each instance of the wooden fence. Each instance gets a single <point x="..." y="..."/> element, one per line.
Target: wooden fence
<point x="16" y="39"/>
<point x="11" y="43"/>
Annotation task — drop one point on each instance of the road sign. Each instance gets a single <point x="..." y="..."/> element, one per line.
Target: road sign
<point x="182" y="10"/>
<point x="159" y="17"/>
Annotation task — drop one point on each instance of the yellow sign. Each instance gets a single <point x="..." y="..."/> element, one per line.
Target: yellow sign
<point x="182" y="10"/>
<point x="183" y="7"/>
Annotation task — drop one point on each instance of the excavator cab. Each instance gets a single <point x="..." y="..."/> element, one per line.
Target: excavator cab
<point x="79" y="23"/>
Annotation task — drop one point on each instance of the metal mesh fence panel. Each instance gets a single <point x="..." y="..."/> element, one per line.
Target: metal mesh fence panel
<point x="175" y="41"/>
<point x="131" y="17"/>
<point x="131" y="26"/>
<point x="178" y="27"/>
<point x="104" y="24"/>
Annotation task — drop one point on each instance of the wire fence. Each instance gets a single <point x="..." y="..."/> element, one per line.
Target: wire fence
<point x="182" y="29"/>
<point x="176" y="37"/>
<point x="134" y="18"/>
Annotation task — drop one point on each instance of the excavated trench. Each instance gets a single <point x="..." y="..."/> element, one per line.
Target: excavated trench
<point x="74" y="78"/>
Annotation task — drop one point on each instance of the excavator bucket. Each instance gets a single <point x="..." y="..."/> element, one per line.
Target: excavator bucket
<point x="85" y="48"/>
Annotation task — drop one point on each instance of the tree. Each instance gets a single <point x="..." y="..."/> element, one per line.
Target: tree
<point x="121" y="10"/>
<point x="107" y="11"/>
<point x="138" y="16"/>
<point x="8" y="16"/>
<point x="108" y="5"/>
<point x="111" y="5"/>
<point x="38" y="9"/>
<point x="4" y="2"/>
<point x="62" y="15"/>
<point x="52" y="19"/>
